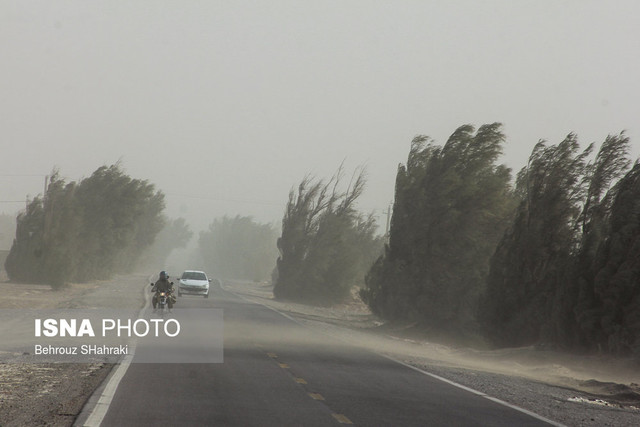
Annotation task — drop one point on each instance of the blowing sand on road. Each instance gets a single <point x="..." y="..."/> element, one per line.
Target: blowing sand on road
<point x="312" y="363"/>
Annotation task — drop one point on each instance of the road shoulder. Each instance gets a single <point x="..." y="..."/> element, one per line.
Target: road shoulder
<point x="55" y="393"/>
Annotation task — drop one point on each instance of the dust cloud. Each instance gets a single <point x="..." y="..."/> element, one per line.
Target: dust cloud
<point x="355" y="327"/>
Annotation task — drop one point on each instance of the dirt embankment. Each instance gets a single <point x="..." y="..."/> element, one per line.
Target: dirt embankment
<point x="54" y="393"/>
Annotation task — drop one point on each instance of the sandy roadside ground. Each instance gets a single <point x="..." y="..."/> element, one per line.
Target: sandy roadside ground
<point x="53" y="394"/>
<point x="569" y="389"/>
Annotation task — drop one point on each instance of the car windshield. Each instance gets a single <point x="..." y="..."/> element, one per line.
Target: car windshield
<point x="193" y="275"/>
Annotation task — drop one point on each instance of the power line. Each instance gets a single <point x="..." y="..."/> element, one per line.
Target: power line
<point x="15" y="174"/>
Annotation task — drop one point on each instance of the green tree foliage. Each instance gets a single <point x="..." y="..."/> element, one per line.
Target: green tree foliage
<point x="608" y="307"/>
<point x="451" y="207"/>
<point x="24" y="263"/>
<point x="326" y="246"/>
<point x="571" y="325"/>
<point x="121" y="217"/>
<point x="85" y="231"/>
<point x="534" y="255"/>
<point x="239" y="248"/>
<point x="538" y="286"/>
<point x="36" y="255"/>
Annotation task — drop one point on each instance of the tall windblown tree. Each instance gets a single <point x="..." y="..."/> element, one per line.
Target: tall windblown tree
<point x="544" y="263"/>
<point x="535" y="254"/>
<point x="451" y="206"/>
<point x="571" y="325"/>
<point x="326" y="246"/>
<point x="604" y="293"/>
<point x="85" y="231"/>
<point x="46" y="236"/>
<point x="121" y="216"/>
<point x="239" y="248"/>
<point x="609" y="310"/>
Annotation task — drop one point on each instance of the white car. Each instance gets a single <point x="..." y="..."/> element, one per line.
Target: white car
<point x="194" y="282"/>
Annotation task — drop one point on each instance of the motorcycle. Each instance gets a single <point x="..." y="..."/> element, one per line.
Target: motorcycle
<point x="163" y="299"/>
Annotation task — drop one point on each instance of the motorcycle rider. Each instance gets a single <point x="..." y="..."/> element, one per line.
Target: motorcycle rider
<point x="162" y="285"/>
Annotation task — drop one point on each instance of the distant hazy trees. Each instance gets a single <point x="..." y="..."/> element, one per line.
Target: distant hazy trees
<point x="7" y="231"/>
<point x="239" y="248"/>
<point x="326" y="246"/>
<point x="175" y="234"/>
<point x="87" y="230"/>
<point x="452" y="204"/>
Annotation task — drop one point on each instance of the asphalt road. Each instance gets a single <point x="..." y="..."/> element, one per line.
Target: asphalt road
<point x="279" y="373"/>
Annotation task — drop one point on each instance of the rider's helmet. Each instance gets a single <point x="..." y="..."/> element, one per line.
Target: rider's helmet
<point x="163" y="275"/>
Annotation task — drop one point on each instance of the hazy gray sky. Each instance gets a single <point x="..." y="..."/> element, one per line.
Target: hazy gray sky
<point x="225" y="105"/>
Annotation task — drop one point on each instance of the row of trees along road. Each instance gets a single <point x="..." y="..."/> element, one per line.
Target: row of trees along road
<point x="553" y="259"/>
<point x="326" y="246"/>
<point x="87" y="230"/>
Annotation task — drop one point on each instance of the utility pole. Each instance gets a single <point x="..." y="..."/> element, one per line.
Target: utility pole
<point x="48" y="214"/>
<point x="388" y="212"/>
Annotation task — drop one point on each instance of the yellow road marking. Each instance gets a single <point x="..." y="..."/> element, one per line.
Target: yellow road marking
<point x="272" y="355"/>
<point x="342" y="419"/>
<point x="283" y="365"/>
<point x="300" y="381"/>
<point x="316" y="396"/>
